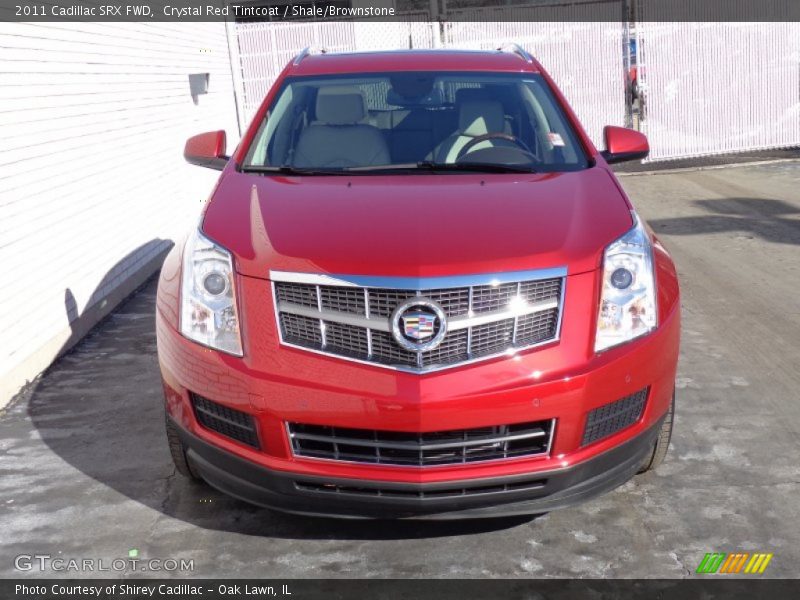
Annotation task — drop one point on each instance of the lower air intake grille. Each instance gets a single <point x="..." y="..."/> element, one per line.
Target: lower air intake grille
<point x="420" y="494"/>
<point x="613" y="417"/>
<point x="226" y="421"/>
<point x="421" y="449"/>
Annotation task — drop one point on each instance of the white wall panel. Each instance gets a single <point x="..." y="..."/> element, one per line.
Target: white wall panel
<point x="712" y="88"/>
<point x="266" y="48"/>
<point x="93" y="185"/>
<point x="584" y="58"/>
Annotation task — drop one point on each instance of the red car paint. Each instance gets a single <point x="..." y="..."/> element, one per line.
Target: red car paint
<point x="367" y="226"/>
<point x="623" y="143"/>
<point x="545" y="219"/>
<point x="207" y="145"/>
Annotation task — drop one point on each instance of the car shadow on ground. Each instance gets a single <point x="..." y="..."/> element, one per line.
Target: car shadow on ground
<point x="768" y="219"/>
<point x="100" y="409"/>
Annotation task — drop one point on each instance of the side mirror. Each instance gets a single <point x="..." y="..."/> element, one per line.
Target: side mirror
<point x="207" y="150"/>
<point x="624" y="144"/>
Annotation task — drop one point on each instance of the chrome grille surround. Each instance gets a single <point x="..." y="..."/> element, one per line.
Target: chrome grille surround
<point x="487" y="315"/>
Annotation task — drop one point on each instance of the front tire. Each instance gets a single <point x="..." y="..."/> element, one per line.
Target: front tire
<point x="178" y="452"/>
<point x="661" y="446"/>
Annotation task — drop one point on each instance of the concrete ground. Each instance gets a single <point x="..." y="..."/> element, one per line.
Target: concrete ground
<point x="85" y="473"/>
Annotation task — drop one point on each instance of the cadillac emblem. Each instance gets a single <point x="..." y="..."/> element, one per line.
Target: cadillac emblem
<point x="419" y="324"/>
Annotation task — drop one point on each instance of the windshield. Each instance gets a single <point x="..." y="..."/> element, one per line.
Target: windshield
<point x="412" y="120"/>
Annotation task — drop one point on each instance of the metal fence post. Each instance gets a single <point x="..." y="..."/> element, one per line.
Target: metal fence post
<point x="236" y="74"/>
<point x="436" y="28"/>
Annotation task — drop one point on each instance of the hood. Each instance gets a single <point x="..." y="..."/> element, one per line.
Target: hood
<point x="417" y="225"/>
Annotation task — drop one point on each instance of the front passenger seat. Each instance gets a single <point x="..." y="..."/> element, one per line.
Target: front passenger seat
<point x="338" y="138"/>
<point x="475" y="118"/>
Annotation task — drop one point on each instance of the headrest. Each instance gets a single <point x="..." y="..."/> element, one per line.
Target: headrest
<point x="477" y="117"/>
<point x="340" y="105"/>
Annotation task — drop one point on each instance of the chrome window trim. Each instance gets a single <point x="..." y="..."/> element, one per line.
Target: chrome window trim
<point x="418" y="284"/>
<point x="546" y="455"/>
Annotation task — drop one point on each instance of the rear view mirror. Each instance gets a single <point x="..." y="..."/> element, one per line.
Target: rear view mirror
<point x="207" y="150"/>
<point x="624" y="144"/>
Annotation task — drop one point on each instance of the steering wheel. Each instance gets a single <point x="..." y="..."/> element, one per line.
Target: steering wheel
<point x="493" y="136"/>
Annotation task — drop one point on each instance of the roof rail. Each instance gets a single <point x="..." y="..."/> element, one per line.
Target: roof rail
<point x="518" y="50"/>
<point x="310" y="50"/>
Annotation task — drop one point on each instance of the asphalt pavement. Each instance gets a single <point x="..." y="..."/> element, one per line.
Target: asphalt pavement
<point x="85" y="472"/>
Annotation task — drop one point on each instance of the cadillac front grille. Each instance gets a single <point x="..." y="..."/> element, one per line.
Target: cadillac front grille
<point x="419" y="325"/>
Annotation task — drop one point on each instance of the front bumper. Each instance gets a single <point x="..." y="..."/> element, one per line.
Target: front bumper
<point x="274" y="384"/>
<point x="495" y="497"/>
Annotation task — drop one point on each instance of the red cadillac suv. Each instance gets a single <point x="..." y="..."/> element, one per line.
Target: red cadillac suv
<point x="417" y="290"/>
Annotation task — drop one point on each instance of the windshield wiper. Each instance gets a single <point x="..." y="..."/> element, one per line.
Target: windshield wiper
<point x="289" y="170"/>
<point x="473" y="166"/>
<point x="425" y="165"/>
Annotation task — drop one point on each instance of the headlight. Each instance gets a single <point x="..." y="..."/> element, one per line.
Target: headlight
<point x="208" y="298"/>
<point x="628" y="298"/>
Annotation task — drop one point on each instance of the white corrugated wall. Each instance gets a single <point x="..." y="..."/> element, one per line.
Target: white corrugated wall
<point x="266" y="48"/>
<point x="714" y="88"/>
<point x="93" y="185"/>
<point x="585" y="59"/>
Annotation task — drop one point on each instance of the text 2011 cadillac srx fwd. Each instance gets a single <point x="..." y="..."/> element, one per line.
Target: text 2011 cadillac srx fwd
<point x="417" y="290"/>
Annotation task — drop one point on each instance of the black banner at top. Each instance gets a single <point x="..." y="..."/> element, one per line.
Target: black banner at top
<point x="397" y="10"/>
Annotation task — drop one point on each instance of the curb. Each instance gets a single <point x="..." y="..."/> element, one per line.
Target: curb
<point x="708" y="167"/>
